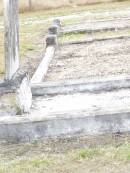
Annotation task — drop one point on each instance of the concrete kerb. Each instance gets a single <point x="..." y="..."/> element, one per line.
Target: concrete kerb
<point x="3" y="84"/>
<point x="51" y="46"/>
<point x="83" y="85"/>
<point x="91" y="40"/>
<point x="21" y="129"/>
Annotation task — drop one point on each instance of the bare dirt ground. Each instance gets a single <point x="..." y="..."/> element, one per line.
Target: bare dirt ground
<point x="101" y="58"/>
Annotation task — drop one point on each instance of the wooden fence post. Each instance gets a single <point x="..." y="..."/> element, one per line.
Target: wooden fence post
<point x="30" y="4"/>
<point x="11" y="11"/>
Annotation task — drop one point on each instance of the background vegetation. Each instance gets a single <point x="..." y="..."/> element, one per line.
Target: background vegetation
<point x="34" y="5"/>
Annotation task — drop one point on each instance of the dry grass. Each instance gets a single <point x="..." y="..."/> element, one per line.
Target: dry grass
<point x="32" y="158"/>
<point x="51" y="4"/>
<point x="95" y="35"/>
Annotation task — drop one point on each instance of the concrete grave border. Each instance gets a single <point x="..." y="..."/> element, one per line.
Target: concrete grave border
<point x="39" y="87"/>
<point x="101" y="84"/>
<point x="51" y="45"/>
<point x="34" y="127"/>
<point x="21" y="129"/>
<point x="91" y="40"/>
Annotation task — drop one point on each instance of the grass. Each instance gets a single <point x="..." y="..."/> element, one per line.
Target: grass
<point x="54" y="4"/>
<point x="97" y="35"/>
<point x="73" y="9"/>
<point x="27" y="165"/>
<point x="82" y="160"/>
<point x="71" y="37"/>
<point x="88" y="153"/>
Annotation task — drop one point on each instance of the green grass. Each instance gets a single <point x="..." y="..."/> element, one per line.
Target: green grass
<point x="71" y="37"/>
<point x="88" y="153"/>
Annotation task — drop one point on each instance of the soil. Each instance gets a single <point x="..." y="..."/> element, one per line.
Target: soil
<point x="62" y="145"/>
<point x="100" y="58"/>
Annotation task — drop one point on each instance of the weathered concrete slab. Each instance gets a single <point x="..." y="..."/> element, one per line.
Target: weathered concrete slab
<point x="92" y="104"/>
<point x="69" y="115"/>
<point x="2" y="83"/>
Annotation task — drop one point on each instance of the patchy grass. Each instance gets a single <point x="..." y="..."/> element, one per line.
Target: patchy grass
<point x="54" y="4"/>
<point x="31" y="37"/>
<point x="71" y="37"/>
<point x="27" y="165"/>
<point x="97" y="35"/>
<point x="45" y="5"/>
<point x="87" y="153"/>
<point x="105" y="34"/>
<point x="84" y="160"/>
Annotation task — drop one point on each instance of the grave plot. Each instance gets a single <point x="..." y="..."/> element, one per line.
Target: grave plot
<point x="92" y="49"/>
<point x="85" y="89"/>
<point x="81" y="86"/>
<point x="96" y="59"/>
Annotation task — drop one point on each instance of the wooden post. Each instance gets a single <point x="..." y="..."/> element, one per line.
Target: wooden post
<point x="11" y="38"/>
<point x="30" y="4"/>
